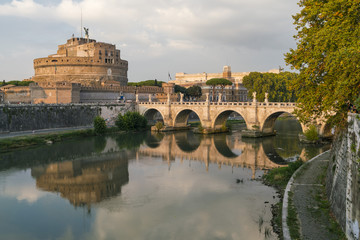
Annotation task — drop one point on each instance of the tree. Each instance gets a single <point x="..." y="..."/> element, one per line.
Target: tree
<point x="276" y="85"/>
<point x="218" y="82"/>
<point x="146" y="83"/>
<point x="327" y="57"/>
<point x="179" y="89"/>
<point x="131" y="121"/>
<point x="194" y="92"/>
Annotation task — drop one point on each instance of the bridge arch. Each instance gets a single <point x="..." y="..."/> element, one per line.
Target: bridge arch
<point x="182" y="117"/>
<point x="223" y="148"/>
<point x="153" y="115"/>
<point x="268" y="124"/>
<point x="187" y="141"/>
<point x="223" y="116"/>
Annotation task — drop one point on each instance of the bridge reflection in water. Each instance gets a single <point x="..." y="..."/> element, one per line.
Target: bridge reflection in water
<point x="91" y="178"/>
<point x="220" y="149"/>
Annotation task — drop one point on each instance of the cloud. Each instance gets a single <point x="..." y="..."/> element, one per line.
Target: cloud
<point x="165" y="29"/>
<point x="21" y="186"/>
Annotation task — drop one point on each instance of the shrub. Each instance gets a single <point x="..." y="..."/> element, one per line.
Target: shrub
<point x="131" y="121"/>
<point x="223" y="127"/>
<point x="120" y="122"/>
<point x="200" y="128"/>
<point x="159" y="125"/>
<point x="99" y="125"/>
<point x="311" y="133"/>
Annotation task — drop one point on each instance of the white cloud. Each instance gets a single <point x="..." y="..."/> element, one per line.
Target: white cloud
<point x="167" y="29"/>
<point x="21" y="186"/>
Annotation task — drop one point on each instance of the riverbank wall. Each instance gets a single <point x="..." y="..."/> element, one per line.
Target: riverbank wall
<point x="25" y="117"/>
<point x="343" y="180"/>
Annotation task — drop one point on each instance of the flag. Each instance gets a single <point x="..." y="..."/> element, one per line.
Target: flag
<point x="169" y="76"/>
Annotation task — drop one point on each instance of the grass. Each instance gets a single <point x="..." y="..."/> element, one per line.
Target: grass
<point x="278" y="178"/>
<point x="324" y="208"/>
<point x="292" y="219"/>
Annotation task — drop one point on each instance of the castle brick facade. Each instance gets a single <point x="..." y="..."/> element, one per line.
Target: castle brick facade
<point x="84" y="61"/>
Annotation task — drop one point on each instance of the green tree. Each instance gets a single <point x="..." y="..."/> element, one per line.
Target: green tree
<point x="276" y="85"/>
<point x="218" y="82"/>
<point x="194" y="92"/>
<point x="131" y="121"/>
<point x="146" y="83"/>
<point x="327" y="57"/>
<point x="99" y="125"/>
<point x="16" y="83"/>
<point x="178" y="88"/>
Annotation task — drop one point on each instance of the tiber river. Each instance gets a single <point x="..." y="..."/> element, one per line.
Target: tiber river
<point x="146" y="186"/>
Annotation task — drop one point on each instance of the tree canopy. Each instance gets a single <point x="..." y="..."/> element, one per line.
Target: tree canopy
<point x="194" y="92"/>
<point x="146" y="83"/>
<point x="217" y="82"/>
<point x="328" y="58"/>
<point x="276" y="85"/>
<point x="16" y="83"/>
<point x="178" y="88"/>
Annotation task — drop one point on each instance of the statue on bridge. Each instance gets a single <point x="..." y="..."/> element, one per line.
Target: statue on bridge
<point x="254" y="97"/>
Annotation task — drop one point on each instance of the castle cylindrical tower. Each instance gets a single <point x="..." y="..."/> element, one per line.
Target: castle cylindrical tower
<point x="82" y="61"/>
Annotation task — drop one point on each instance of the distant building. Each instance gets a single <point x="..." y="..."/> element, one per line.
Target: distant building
<point x="84" y="61"/>
<point x="237" y="92"/>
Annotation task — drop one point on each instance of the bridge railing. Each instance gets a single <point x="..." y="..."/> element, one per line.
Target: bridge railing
<point x="264" y="104"/>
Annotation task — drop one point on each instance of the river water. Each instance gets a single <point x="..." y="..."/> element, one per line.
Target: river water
<point x="146" y="186"/>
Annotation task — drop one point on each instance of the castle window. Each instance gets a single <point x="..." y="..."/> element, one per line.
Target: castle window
<point x="99" y="52"/>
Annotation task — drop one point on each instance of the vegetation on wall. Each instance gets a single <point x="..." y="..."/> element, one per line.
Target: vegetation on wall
<point x="327" y="57"/>
<point x="276" y="85"/>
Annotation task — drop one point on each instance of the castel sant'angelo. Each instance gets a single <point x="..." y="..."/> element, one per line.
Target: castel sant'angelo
<point x="84" y="61"/>
<point x="82" y="71"/>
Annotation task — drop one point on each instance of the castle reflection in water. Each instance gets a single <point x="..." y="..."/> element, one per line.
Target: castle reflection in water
<point x="98" y="169"/>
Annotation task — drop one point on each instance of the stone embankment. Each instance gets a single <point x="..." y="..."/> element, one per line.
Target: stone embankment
<point x="343" y="178"/>
<point x="306" y="189"/>
<point x="14" y="118"/>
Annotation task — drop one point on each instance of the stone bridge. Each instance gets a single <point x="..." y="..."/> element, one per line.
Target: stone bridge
<point x="259" y="117"/>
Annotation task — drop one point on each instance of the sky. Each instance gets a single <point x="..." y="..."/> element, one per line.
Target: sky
<point x="157" y="37"/>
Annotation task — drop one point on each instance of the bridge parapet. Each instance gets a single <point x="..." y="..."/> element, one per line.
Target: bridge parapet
<point x="258" y="104"/>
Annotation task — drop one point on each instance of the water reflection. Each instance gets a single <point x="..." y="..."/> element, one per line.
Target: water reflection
<point x="96" y="169"/>
<point x="125" y="181"/>
<point x="84" y="181"/>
